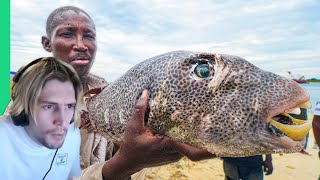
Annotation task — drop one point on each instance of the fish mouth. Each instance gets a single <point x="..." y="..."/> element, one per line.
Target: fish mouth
<point x="284" y="125"/>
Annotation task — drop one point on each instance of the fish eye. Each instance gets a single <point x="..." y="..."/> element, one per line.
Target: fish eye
<point x="202" y="70"/>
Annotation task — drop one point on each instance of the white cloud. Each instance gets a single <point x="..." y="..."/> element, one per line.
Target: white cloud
<point x="273" y="6"/>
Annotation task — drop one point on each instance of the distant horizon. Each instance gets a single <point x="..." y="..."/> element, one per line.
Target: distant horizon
<point x="276" y="36"/>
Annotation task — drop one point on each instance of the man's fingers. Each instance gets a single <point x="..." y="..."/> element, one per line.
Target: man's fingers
<point x="193" y="153"/>
<point x="137" y="116"/>
<point x="171" y="157"/>
<point x="268" y="172"/>
<point x="268" y="168"/>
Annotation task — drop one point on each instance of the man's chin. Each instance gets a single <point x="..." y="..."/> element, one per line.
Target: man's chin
<point x="82" y="71"/>
<point x="53" y="146"/>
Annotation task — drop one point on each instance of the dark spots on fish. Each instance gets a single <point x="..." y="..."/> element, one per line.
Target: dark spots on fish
<point x="185" y="101"/>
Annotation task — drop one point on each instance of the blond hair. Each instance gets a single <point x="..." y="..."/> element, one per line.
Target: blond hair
<point x="30" y="80"/>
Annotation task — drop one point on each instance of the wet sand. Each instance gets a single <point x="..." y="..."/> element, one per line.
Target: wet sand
<point x="293" y="166"/>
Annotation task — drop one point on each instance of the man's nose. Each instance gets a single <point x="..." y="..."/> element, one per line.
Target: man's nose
<point x="62" y="117"/>
<point x="80" y="45"/>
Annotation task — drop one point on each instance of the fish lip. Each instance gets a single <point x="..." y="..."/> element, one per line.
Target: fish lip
<point x="289" y="133"/>
<point x="282" y="109"/>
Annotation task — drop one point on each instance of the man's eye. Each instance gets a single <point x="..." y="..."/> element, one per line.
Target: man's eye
<point x="89" y="36"/>
<point x="71" y="106"/>
<point x="66" y="34"/>
<point x="49" y="106"/>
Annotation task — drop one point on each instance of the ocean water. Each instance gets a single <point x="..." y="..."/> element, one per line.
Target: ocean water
<point x="314" y="92"/>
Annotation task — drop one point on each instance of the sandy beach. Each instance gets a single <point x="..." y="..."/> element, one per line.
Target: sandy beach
<point x="295" y="166"/>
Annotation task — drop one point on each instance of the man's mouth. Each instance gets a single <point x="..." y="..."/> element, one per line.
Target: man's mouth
<point x="284" y="125"/>
<point x="80" y="60"/>
<point x="58" y="136"/>
<point x="59" y="133"/>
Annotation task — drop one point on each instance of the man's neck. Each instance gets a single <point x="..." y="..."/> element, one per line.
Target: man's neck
<point x="84" y="81"/>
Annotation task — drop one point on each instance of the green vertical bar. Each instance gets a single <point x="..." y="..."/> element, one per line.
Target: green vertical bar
<point x="5" y="55"/>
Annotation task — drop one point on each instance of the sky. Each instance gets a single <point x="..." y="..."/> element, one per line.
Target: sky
<point x="276" y="36"/>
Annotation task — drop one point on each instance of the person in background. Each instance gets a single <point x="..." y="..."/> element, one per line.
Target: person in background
<point x="71" y="37"/>
<point x="247" y="168"/>
<point x="40" y="136"/>
<point x="316" y="127"/>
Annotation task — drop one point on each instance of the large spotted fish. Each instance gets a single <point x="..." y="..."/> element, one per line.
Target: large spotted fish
<point x="221" y="103"/>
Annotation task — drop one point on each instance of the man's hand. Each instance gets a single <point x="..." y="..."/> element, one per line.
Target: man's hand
<point x="85" y="122"/>
<point x="267" y="165"/>
<point x="193" y="153"/>
<point x="141" y="148"/>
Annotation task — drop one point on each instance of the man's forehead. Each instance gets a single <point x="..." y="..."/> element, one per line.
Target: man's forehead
<point x="71" y="13"/>
<point x="70" y="16"/>
<point x="47" y="99"/>
<point x="58" y="92"/>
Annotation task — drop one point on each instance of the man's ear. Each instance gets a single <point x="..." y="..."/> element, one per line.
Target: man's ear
<point x="46" y="44"/>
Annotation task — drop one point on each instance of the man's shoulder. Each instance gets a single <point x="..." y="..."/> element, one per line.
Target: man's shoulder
<point x="6" y="126"/>
<point x="73" y="133"/>
<point x="5" y="121"/>
<point x="96" y="81"/>
<point x="72" y="140"/>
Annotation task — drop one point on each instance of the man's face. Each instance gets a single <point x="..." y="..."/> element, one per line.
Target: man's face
<point x="73" y="40"/>
<point x="54" y="111"/>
